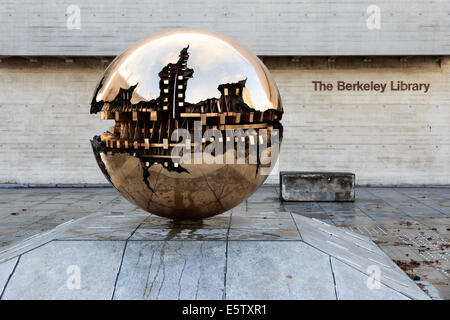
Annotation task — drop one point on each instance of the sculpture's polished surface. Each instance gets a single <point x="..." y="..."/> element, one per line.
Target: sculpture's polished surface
<point x="197" y="124"/>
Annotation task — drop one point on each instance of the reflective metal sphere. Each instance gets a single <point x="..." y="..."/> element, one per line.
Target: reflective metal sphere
<point x="196" y="124"/>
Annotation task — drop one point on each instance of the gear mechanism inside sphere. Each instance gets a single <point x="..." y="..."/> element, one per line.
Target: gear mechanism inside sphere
<point x="197" y="126"/>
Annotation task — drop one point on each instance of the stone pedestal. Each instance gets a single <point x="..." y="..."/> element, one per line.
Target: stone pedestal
<point x="317" y="186"/>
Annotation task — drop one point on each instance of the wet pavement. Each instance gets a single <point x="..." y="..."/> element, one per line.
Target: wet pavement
<point x="136" y="255"/>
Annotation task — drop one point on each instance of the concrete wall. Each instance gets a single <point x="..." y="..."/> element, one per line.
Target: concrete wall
<point x="46" y="125"/>
<point x="390" y="138"/>
<point x="267" y="27"/>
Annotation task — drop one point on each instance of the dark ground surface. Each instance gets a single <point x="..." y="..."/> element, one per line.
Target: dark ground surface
<point x="412" y="225"/>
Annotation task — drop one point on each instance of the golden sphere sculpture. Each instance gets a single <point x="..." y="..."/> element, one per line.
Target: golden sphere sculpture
<point x="197" y="124"/>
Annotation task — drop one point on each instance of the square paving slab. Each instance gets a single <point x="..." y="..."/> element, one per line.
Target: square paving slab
<point x="66" y="270"/>
<point x="274" y="269"/>
<point x="172" y="270"/>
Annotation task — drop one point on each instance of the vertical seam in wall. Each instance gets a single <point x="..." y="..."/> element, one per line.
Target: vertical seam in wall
<point x="9" y="278"/>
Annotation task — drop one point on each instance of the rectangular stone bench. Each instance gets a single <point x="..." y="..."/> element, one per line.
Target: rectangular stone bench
<point x="317" y="186"/>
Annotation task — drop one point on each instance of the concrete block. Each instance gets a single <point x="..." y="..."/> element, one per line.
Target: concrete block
<point x="317" y="186"/>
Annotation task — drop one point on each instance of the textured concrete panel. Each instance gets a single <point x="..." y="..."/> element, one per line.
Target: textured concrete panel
<point x="31" y="27"/>
<point x="53" y="270"/>
<point x="277" y="270"/>
<point x="317" y="186"/>
<point x="354" y="285"/>
<point x="6" y="269"/>
<point x="172" y="270"/>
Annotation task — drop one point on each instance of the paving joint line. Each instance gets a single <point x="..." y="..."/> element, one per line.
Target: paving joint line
<point x="123" y="256"/>
<point x="334" y="278"/>
<point x="353" y="267"/>
<point x="224" y="294"/>
<point x="9" y="277"/>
